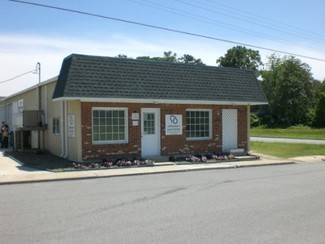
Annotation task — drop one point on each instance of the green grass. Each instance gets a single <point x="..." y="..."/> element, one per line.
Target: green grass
<point x="293" y="132"/>
<point x="287" y="150"/>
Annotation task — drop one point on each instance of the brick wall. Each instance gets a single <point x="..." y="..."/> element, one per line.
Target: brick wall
<point x="171" y="144"/>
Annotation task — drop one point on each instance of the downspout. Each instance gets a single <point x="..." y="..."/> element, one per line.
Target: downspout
<point x="39" y="102"/>
<point x="45" y="143"/>
<point x="46" y="105"/>
<point x="65" y="129"/>
<point x="62" y="129"/>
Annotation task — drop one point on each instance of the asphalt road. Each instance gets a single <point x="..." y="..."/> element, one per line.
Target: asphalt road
<point x="270" y="204"/>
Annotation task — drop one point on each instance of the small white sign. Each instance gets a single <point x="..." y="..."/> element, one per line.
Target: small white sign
<point x="135" y="116"/>
<point x="71" y="126"/>
<point x="174" y="124"/>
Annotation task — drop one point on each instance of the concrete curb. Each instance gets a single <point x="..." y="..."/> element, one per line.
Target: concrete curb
<point x="269" y="164"/>
<point x="93" y="174"/>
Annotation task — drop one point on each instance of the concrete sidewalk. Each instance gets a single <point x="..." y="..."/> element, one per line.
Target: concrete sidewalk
<point x="12" y="172"/>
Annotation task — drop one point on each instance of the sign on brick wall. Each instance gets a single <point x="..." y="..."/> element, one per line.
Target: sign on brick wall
<point x="174" y="124"/>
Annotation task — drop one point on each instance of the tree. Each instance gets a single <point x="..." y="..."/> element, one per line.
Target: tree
<point x="316" y="88"/>
<point x="172" y="57"/>
<point x="168" y="57"/>
<point x="189" y="59"/>
<point x="241" y="57"/>
<point x="122" y="56"/>
<point x="320" y="108"/>
<point x="287" y="84"/>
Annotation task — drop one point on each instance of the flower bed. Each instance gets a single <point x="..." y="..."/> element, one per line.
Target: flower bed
<point x="121" y="162"/>
<point x="198" y="158"/>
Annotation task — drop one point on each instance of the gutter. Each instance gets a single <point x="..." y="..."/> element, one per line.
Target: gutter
<point x="158" y="101"/>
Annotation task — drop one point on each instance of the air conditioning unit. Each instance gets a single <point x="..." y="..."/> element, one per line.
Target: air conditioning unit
<point x="31" y="118"/>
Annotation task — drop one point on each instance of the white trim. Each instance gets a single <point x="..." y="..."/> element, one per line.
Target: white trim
<point x="109" y="108"/>
<point x="210" y="125"/>
<point x="126" y="130"/>
<point x="199" y="109"/>
<point x="158" y="101"/>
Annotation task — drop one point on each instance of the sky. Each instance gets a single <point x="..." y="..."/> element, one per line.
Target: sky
<point x="31" y="34"/>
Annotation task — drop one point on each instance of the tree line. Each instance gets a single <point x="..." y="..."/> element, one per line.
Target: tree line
<point x="170" y="57"/>
<point x="294" y="96"/>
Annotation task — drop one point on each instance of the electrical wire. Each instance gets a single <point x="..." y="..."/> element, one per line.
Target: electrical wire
<point x="267" y="21"/>
<point x="13" y="78"/>
<point x="196" y="16"/>
<point x="215" y="22"/>
<point x="166" y="29"/>
<point x="211" y="10"/>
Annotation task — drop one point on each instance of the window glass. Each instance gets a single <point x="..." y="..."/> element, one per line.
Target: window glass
<point x="198" y="124"/>
<point x="149" y="123"/>
<point x="109" y="125"/>
<point x="56" y="126"/>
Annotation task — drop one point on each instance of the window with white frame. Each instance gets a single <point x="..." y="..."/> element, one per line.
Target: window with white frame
<point x="109" y="125"/>
<point x="198" y="124"/>
<point x="56" y="126"/>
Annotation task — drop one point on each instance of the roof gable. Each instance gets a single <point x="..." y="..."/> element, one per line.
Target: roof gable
<point x="84" y="76"/>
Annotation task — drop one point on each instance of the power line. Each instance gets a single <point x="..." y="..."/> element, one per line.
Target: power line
<point x="215" y="22"/>
<point x="249" y="20"/>
<point x="268" y="21"/>
<point x="195" y="16"/>
<point x="166" y="29"/>
<point x="4" y="81"/>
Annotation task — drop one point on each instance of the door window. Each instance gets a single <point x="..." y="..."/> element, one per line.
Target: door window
<point x="149" y="123"/>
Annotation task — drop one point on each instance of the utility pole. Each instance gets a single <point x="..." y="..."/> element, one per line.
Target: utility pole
<point x="38" y="71"/>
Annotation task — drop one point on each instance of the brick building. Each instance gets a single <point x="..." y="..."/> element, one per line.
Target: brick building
<point x="103" y="107"/>
<point x="130" y="107"/>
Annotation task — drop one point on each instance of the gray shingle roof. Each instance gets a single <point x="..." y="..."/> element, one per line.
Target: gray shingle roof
<point x="83" y="76"/>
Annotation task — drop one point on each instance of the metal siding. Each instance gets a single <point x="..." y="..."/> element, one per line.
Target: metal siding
<point x="53" y="141"/>
<point x="74" y="143"/>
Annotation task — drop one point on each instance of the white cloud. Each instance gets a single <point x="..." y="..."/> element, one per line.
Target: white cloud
<point x="20" y="53"/>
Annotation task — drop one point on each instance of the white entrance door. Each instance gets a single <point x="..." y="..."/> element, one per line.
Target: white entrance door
<point x="229" y="129"/>
<point x="150" y="132"/>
